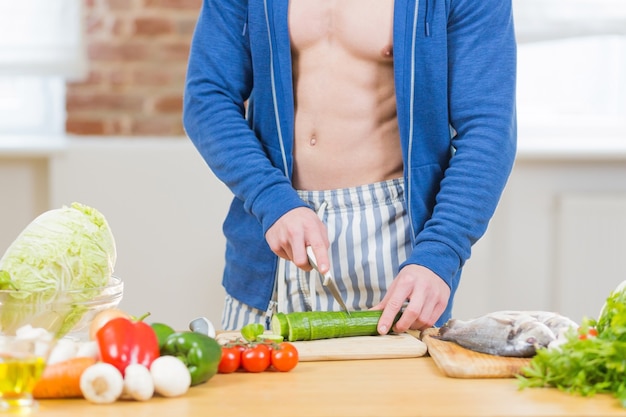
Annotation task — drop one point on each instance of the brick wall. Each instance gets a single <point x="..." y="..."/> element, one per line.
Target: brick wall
<point x="137" y="53"/>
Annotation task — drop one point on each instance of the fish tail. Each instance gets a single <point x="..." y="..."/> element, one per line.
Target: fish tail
<point x="446" y="327"/>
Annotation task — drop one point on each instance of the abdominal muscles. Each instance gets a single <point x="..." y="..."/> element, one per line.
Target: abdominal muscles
<point x="346" y="130"/>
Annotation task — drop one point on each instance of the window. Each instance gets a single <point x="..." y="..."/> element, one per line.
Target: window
<point x="41" y="45"/>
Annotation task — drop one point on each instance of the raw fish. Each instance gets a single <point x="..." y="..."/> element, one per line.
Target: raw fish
<point x="558" y="323"/>
<point x="505" y="333"/>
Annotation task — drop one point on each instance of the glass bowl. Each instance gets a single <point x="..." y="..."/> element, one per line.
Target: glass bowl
<point x="64" y="313"/>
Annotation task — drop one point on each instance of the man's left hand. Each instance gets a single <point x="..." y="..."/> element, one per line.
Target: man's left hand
<point x="427" y="296"/>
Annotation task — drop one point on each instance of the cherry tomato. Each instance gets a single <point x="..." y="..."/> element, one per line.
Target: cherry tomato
<point x="591" y="333"/>
<point x="231" y="359"/>
<point x="256" y="358"/>
<point x="284" y="357"/>
<point x="240" y="348"/>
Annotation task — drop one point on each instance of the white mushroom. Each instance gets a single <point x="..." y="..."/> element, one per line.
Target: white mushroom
<point x="138" y="384"/>
<point x="101" y="383"/>
<point x="170" y="375"/>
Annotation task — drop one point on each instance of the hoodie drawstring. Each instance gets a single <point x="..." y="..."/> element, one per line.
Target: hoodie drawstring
<point x="428" y="16"/>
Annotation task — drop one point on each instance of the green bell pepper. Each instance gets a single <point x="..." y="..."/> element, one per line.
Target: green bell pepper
<point x="162" y="331"/>
<point x="200" y="353"/>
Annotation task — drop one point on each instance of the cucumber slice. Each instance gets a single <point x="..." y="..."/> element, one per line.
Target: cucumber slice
<point x="271" y="338"/>
<point x="279" y="325"/>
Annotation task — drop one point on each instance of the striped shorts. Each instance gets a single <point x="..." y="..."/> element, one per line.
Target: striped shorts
<point x="369" y="235"/>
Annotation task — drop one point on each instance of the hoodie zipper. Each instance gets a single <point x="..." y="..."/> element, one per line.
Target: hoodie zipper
<point x="428" y="17"/>
<point x="279" y="131"/>
<point x="273" y="303"/>
<point x="411" y="120"/>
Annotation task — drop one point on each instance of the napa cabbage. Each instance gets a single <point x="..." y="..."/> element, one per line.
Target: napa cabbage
<point x="63" y="257"/>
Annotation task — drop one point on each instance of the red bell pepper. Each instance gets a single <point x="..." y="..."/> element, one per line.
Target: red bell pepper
<point x="123" y="342"/>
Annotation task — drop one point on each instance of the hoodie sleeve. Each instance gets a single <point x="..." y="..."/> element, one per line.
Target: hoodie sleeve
<point x="219" y="81"/>
<point x="481" y="110"/>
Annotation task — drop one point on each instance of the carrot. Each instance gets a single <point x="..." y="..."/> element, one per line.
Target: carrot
<point x="62" y="379"/>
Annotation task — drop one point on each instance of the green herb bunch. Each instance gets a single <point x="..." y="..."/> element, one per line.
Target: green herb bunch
<point x="591" y="360"/>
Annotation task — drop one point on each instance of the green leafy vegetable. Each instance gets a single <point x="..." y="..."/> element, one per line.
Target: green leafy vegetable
<point x="252" y="331"/>
<point x="5" y="281"/>
<point x="584" y="364"/>
<point x="67" y="252"/>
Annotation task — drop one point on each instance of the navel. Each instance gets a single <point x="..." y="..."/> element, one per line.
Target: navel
<point x="313" y="141"/>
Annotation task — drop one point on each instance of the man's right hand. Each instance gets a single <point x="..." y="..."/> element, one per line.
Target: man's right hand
<point x="293" y="232"/>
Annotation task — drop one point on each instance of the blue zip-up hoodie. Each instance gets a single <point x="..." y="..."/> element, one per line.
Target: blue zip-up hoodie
<point x="454" y="64"/>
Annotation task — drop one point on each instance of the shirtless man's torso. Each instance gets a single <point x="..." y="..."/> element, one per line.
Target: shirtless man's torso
<point x="346" y="132"/>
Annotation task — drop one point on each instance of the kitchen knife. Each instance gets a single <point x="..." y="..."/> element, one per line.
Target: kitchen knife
<point x="328" y="281"/>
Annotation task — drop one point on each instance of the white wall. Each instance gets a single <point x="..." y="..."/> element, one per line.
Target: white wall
<point x="557" y="240"/>
<point x="164" y="206"/>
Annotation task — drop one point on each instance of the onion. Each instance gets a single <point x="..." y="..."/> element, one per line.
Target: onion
<point x="104" y="317"/>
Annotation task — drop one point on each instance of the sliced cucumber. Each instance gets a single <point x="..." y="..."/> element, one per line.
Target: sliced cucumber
<point x="314" y="325"/>
<point x="299" y="326"/>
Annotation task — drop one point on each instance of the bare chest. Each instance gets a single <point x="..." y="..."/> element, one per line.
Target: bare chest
<point x="361" y="27"/>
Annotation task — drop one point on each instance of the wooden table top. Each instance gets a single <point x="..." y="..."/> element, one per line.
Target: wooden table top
<point x="374" y="387"/>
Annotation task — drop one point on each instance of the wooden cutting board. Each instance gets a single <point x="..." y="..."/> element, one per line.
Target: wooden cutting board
<point x="358" y="347"/>
<point x="458" y="362"/>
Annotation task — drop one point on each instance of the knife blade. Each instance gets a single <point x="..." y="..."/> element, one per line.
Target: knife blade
<point x="328" y="281"/>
